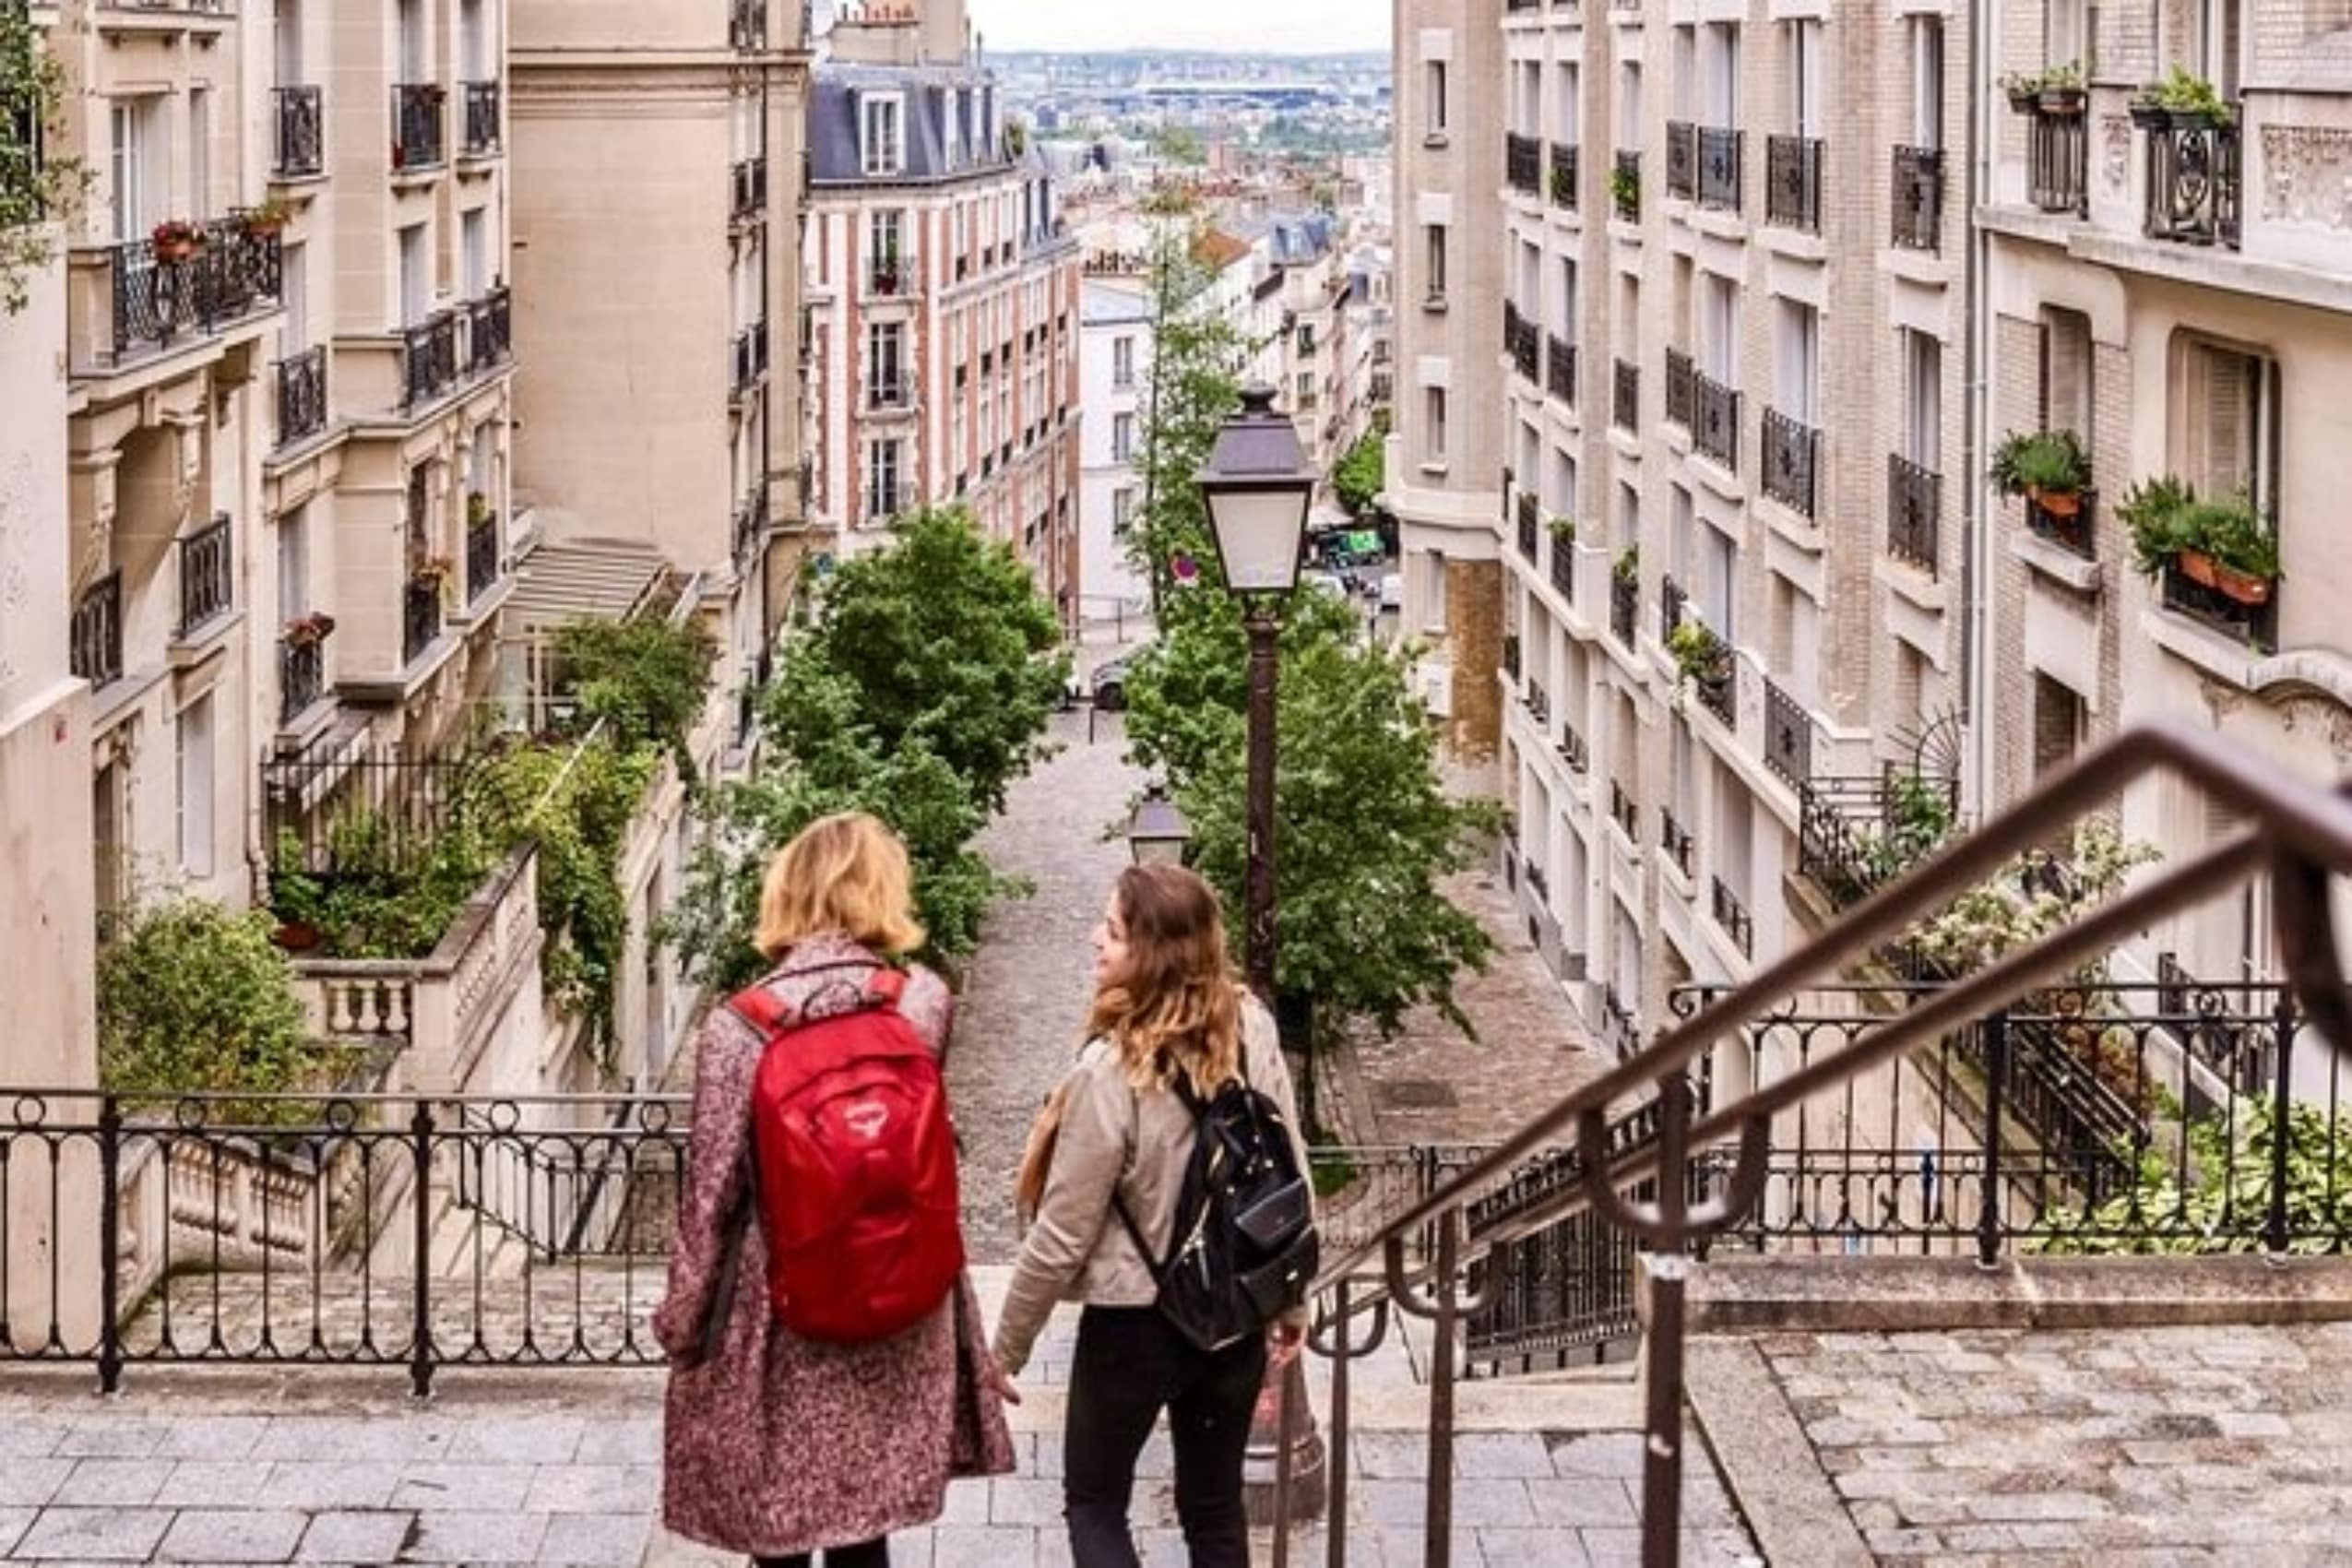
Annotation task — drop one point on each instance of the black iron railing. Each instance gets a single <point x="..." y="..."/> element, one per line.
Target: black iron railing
<point x="334" y="814"/>
<point x="302" y="395"/>
<point x="1789" y="736"/>
<point x="420" y="615"/>
<point x="1681" y="391"/>
<point x="1625" y="397"/>
<point x="1720" y="152"/>
<point x="1560" y="368"/>
<point x="1717" y="688"/>
<point x="2194" y="181"/>
<point x="95" y="644"/>
<point x="1854" y="834"/>
<point x="1671" y="599"/>
<point x="482" y="562"/>
<point x="207" y="575"/>
<point x="1564" y="565"/>
<point x="302" y="679"/>
<point x="1511" y="656"/>
<point x="1523" y="162"/>
<point x="1792" y="460"/>
<point x="1523" y="340"/>
<point x="1530" y="520"/>
<point x="1572" y="750"/>
<point x="1538" y="704"/>
<point x="1793" y="181"/>
<point x="750" y="357"/>
<point x="1715" y="421"/>
<point x="490" y="330"/>
<point x="1625" y="185"/>
<point x="300" y="147"/>
<point x="2058" y="160"/>
<point x="1675" y="841"/>
<point x="234" y="271"/>
<point x="1625" y="813"/>
<point x="2253" y="624"/>
<point x="485" y="125"/>
<point x="1913" y="513"/>
<point x="747" y="24"/>
<point x="419" y="126"/>
<point x="429" y="358"/>
<point x="1731" y="915"/>
<point x="748" y="183"/>
<point x="1624" y="605"/>
<point x="2076" y="530"/>
<point x="1563" y="171"/>
<point x="1681" y="159"/>
<point x="1918" y="197"/>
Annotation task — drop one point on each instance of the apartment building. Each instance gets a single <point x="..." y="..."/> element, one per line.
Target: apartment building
<point x="1117" y="334"/>
<point x="944" y="294"/>
<point x="1730" y="360"/>
<point x="667" y="425"/>
<point x="2172" y="288"/>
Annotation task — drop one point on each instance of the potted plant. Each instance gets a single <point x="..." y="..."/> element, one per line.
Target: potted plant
<point x="2221" y="545"/>
<point x="1628" y="568"/>
<point x="1562" y="531"/>
<point x="176" y="239"/>
<point x="1699" y="654"/>
<point x="2151" y="512"/>
<point x="2024" y="88"/>
<point x="478" y="510"/>
<point x="433" y="569"/>
<point x="309" y="631"/>
<point x="1625" y="189"/>
<point x="2062" y="91"/>
<point x="265" y="220"/>
<point x="2050" y="467"/>
<point x="1563" y="186"/>
<point x="2182" y="102"/>
<point x="296" y="897"/>
<point x="887" y="274"/>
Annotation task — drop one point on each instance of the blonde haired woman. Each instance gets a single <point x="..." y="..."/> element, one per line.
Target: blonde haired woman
<point x="1166" y="1004"/>
<point x="776" y="1446"/>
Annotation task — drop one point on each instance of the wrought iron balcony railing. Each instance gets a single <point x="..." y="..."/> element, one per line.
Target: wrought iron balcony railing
<point x="1572" y="750"/>
<point x="232" y="272"/>
<point x="1671" y="601"/>
<point x="1675" y="841"/>
<point x="420" y="616"/>
<point x="2076" y="531"/>
<point x="1918" y="197"/>
<point x="1625" y="397"/>
<point x="750" y="357"/>
<point x="1730" y="913"/>
<point x="1721" y="153"/>
<point x="2254" y="624"/>
<point x="1511" y="656"/>
<point x="1564" y="171"/>
<point x="96" y="635"/>
<point x="1563" y="566"/>
<point x="485" y="125"/>
<point x="1913" y="513"/>
<point x="301" y="675"/>
<point x="1715" y="427"/>
<point x="1856" y="835"/>
<point x="1560" y="368"/>
<point x="1793" y="181"/>
<point x="2194" y="180"/>
<point x="1681" y="159"/>
<point x="1791" y="461"/>
<point x="1625" y="185"/>
<point x="1717" y="688"/>
<point x="482" y="562"/>
<point x="1530" y="522"/>
<point x="207" y="577"/>
<point x="490" y="330"/>
<point x="302" y="395"/>
<point x="2058" y="159"/>
<point x="749" y="192"/>
<point x="747" y="24"/>
<point x="1789" y="736"/>
<point x="1538" y="704"/>
<point x="1625" y="813"/>
<point x="1523" y="162"/>
<point x="1624" y="606"/>
<point x="300" y="147"/>
<point x="429" y="359"/>
<point x="1681" y="389"/>
<point x="1522" y="342"/>
<point x="419" y="126"/>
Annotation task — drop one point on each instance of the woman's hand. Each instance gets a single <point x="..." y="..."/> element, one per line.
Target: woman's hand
<point x="997" y="1379"/>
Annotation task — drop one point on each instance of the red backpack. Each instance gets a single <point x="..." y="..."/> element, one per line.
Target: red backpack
<point x="855" y="1162"/>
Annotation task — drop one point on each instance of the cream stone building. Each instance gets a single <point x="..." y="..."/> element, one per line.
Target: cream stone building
<point x="945" y="297"/>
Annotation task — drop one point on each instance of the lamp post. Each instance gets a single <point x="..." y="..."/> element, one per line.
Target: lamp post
<point x="1257" y="487"/>
<point x="1159" y="834"/>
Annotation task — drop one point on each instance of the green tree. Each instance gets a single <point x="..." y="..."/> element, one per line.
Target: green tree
<point x="1360" y="474"/>
<point x="1178" y="145"/>
<point x="37" y="187"/>
<point x="646" y="680"/>
<point x="193" y="996"/>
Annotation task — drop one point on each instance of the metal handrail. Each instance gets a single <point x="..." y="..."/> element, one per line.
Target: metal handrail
<point x="2304" y="835"/>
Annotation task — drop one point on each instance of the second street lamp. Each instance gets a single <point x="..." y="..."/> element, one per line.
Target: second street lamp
<point x="1257" y="487"/>
<point x="1159" y="834"/>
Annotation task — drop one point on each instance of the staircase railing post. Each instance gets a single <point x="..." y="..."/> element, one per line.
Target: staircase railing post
<point x="1996" y="1029"/>
<point x="110" y="1246"/>
<point x="2282" y="1133"/>
<point x="1335" y="1530"/>
<point x="421" y="1266"/>
<point x="1437" y="1548"/>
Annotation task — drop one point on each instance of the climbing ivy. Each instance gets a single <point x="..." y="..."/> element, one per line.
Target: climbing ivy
<point x="35" y="189"/>
<point x="645" y="680"/>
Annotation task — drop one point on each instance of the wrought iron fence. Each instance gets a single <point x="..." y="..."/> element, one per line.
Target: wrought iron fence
<point x="301" y="149"/>
<point x="2058" y="160"/>
<point x="1720" y="152"/>
<point x="301" y="680"/>
<point x="1511" y="655"/>
<point x="1718" y="687"/>
<point x="1538" y="703"/>
<point x="2076" y="531"/>
<point x="1913" y="513"/>
<point x="2194" y="173"/>
<point x="1715" y="429"/>
<point x="1624" y="606"/>
<point x="481" y="555"/>
<point x="484" y="123"/>
<point x="1918" y="197"/>
<point x="1681" y="389"/>
<point x="1682" y="159"/>
<point x="1560" y="368"/>
<point x="1563" y="170"/>
<point x="338" y="812"/>
<point x="95" y="636"/>
<point x="302" y="395"/>
<point x="1852" y="839"/>
<point x="1789" y="736"/>
<point x="1563" y="566"/>
<point x="1625" y="397"/>
<point x="420" y="616"/>
<point x="1791" y="461"/>
<point x="747" y="24"/>
<point x="1521" y="163"/>
<point x="1793" y="181"/>
<point x="490" y="330"/>
<point x="419" y="126"/>
<point x="1730" y="913"/>
<point x="1625" y="813"/>
<point x="749" y="182"/>
<point x="1523" y="340"/>
<point x="207" y="575"/>
<point x="1572" y="750"/>
<point x="1671" y="601"/>
<point x="2253" y="622"/>
<point x="1625" y="185"/>
<point x="429" y="359"/>
<point x="1677" y="841"/>
<point x="1530" y="525"/>
<point x="232" y="271"/>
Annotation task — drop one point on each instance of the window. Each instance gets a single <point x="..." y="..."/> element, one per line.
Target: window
<point x="883" y="497"/>
<point x="1681" y="542"/>
<point x="193" y="742"/>
<point x="885" y="247"/>
<point x="1123" y="509"/>
<point x="1805" y="77"/>
<point x="886" y="363"/>
<point x="1796" y="359"/>
<point x="200" y="151"/>
<point x="885" y="151"/>
<point x="2220" y="42"/>
<point x="2058" y="724"/>
<point x="289" y="42"/>
<point x="2066" y="38"/>
<point x="1432" y="590"/>
<point x="473" y="244"/>
<point x="293" y="565"/>
<point x="2066" y="378"/>
<point x="411" y="26"/>
<point x="2231" y="425"/>
<point x="1123" y="362"/>
<point x="1122" y="438"/>
<point x="1306" y="398"/>
<point x="1718" y="580"/>
<point x="416" y="275"/>
<point x="294" y="284"/>
<point x="1718" y="327"/>
<point x="1436" y="237"/>
<point x="1719" y="73"/>
<point x="1568" y="298"/>
<point x="1434" y="434"/>
<point x="1927" y="81"/>
<point x="1923" y="400"/>
<point x="136" y="172"/>
<point x="1437" y="105"/>
<point x="475" y="55"/>
<point x="1570" y="102"/>
<point x="1629" y="106"/>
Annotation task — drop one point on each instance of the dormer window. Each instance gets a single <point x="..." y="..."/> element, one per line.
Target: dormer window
<point x="883" y="143"/>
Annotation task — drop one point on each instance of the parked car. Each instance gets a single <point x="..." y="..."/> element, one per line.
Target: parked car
<point x="1330" y="582"/>
<point x="1392" y="593"/>
<point x="1110" y="681"/>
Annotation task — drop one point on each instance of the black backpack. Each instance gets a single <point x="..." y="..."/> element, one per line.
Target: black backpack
<point x="1245" y="1249"/>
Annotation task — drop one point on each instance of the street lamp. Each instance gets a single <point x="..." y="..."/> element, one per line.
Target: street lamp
<point x="1257" y="487"/>
<point x="1159" y="834"/>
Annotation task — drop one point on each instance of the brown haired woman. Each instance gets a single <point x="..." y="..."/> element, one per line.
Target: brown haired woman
<point x="1166" y="1002"/>
<point x="776" y="1446"/>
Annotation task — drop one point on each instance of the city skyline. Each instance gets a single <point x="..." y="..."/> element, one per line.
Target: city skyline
<point x="1303" y="28"/>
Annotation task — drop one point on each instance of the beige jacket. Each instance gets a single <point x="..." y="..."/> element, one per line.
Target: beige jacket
<point x="1114" y="1136"/>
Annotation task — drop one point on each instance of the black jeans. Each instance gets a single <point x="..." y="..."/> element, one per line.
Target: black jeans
<point x="1131" y="1364"/>
<point x="866" y="1554"/>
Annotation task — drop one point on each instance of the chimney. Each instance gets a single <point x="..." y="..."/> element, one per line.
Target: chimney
<point x="945" y="32"/>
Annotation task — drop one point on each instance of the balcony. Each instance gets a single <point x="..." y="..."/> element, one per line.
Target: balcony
<point x="1681" y="389"/>
<point x="1792" y="460"/>
<point x="1625" y="186"/>
<point x="748" y="181"/>
<point x="750" y="355"/>
<point x="1675" y="841"/>
<point x="302" y="671"/>
<point x="1793" y="181"/>
<point x="1624" y="813"/>
<point x="1717" y="688"/>
<point x="1681" y="159"/>
<point x="1918" y="199"/>
<point x="420" y="128"/>
<point x="1574" y="751"/>
<point x="1538" y="705"/>
<point x="1511" y="656"/>
<point x="2076" y="531"/>
<point x="747" y="24"/>
<point x="1715" y="429"/>
<point x="1913" y="513"/>
<point x="481" y="554"/>
<point x="1624" y="605"/>
<point x="485" y="127"/>
<point x="2057" y="157"/>
<point x="207" y="577"/>
<point x="1856" y="835"/>
<point x="2193" y="183"/>
<point x="2254" y="625"/>
<point x="1560" y="368"/>
<point x="419" y="614"/>
<point x="1523" y="163"/>
<point x="96" y="647"/>
<point x="1671" y="601"/>
<point x="429" y="359"/>
<point x="1731" y="914"/>
<point x="301" y="396"/>
<point x="1563" y="566"/>
<point x="1788" y="737"/>
<point x="1563" y="171"/>
<point x="1625" y="397"/>
<point x="1624" y="1032"/>
<point x="490" y="330"/>
<point x="1720" y="151"/>
<point x="301" y="149"/>
<point x="161" y="296"/>
<point x="1530" y="525"/>
<point x="1523" y="340"/>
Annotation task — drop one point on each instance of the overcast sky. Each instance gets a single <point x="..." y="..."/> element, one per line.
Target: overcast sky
<point x="1293" y="26"/>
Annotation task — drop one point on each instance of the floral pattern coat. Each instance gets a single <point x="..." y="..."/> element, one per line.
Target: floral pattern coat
<point x="778" y="1444"/>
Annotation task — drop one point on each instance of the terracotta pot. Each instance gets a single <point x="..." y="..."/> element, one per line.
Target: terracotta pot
<point x="296" y="936"/>
<point x="2065" y="101"/>
<point x="2151" y="118"/>
<point x="171" y="252"/>
<point x="2021" y="100"/>
<point x="2057" y="503"/>
<point x="2242" y="587"/>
